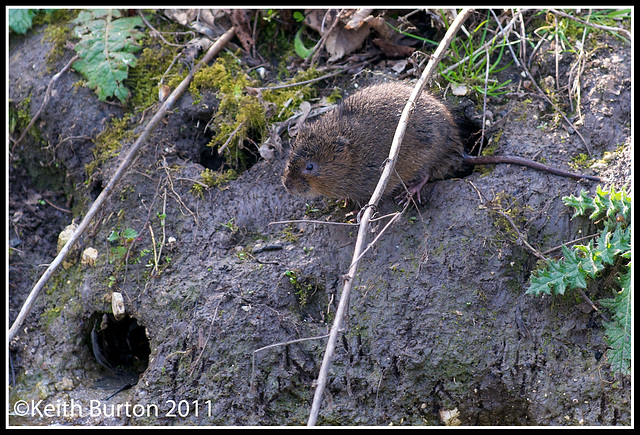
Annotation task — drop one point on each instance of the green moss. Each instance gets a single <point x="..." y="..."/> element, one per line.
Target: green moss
<point x="145" y="78"/>
<point x="20" y="117"/>
<point x="239" y="114"/>
<point x="57" y="35"/>
<point x="582" y="160"/>
<point x="108" y="142"/>
<point x="211" y="178"/>
<point x="243" y="115"/>
<point x="509" y="205"/>
<point x="290" y="235"/>
<point x="288" y="99"/>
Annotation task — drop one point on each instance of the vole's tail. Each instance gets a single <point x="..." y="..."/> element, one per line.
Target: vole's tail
<point x="492" y="160"/>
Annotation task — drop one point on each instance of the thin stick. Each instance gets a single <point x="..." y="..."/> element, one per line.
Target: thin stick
<point x="231" y="136"/>
<point x="521" y="236"/>
<point x="47" y="97"/>
<point x="305" y="82"/>
<point x="285" y="343"/>
<point x="316" y="49"/>
<point x="124" y="165"/>
<point x="304" y="221"/>
<point x="368" y="211"/>
<point x="484" y="103"/>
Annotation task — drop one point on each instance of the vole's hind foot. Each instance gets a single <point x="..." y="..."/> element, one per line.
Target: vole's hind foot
<point x="413" y="190"/>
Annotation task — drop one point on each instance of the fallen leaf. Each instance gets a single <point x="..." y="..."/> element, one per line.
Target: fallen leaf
<point x="386" y="32"/>
<point x="181" y="16"/>
<point x="243" y="29"/>
<point x="340" y="41"/>
<point x="399" y="66"/>
<point x="358" y="19"/>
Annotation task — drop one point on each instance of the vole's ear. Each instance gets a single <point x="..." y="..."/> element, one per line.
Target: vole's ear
<point x="342" y="142"/>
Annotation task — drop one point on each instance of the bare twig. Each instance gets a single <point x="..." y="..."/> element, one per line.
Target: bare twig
<point x="521" y="236"/>
<point x="155" y="32"/>
<point x="590" y="302"/>
<point x="574" y="85"/>
<point x="305" y="82"/>
<point x="503" y="32"/>
<point x="47" y="97"/>
<point x="590" y="236"/>
<point x="231" y="136"/>
<point x="124" y="165"/>
<point x="304" y="221"/>
<point x="368" y="211"/>
<point x="315" y="51"/>
<point x="285" y="343"/>
<point x="484" y="103"/>
<point x="557" y="53"/>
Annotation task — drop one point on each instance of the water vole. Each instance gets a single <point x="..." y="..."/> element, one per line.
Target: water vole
<point x="341" y="155"/>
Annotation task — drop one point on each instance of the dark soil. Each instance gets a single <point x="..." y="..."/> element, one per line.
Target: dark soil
<point x="439" y="323"/>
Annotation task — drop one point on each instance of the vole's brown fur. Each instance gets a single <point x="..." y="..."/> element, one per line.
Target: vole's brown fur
<point x="341" y="155"/>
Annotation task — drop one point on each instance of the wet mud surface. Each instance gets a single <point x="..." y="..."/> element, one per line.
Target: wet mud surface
<point x="439" y="322"/>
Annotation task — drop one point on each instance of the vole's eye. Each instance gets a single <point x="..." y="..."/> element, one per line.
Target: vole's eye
<point x="310" y="168"/>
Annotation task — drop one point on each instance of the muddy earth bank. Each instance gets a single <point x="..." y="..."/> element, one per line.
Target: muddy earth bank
<point x="439" y="328"/>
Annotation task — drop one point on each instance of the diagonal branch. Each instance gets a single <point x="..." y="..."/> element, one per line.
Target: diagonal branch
<point x="122" y="169"/>
<point x="368" y="211"/>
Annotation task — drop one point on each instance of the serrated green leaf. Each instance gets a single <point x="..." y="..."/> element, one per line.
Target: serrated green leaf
<point x="619" y="340"/>
<point x="550" y="279"/>
<point x="129" y="233"/>
<point x="621" y="239"/>
<point x="106" y="51"/>
<point x="590" y="263"/>
<point x="540" y="284"/>
<point x="21" y="20"/>
<point x="585" y="261"/>
<point x="113" y="236"/>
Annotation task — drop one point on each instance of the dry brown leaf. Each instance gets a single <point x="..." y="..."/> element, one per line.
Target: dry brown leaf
<point x="340" y="41"/>
<point x="181" y="16"/>
<point x="240" y="21"/>
<point x="379" y="24"/>
<point x="358" y="19"/>
<point x="272" y="145"/>
<point x="215" y="19"/>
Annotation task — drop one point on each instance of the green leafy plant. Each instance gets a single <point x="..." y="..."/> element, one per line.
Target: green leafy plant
<point x="303" y="289"/>
<point x="124" y="239"/>
<point x="610" y="256"/>
<point x="21" y="20"/>
<point x="607" y="17"/>
<point x="106" y="47"/>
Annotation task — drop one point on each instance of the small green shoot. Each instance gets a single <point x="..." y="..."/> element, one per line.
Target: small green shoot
<point x="230" y="225"/>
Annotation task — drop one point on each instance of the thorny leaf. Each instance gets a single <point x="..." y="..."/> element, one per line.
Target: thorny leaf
<point x="585" y="261"/>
